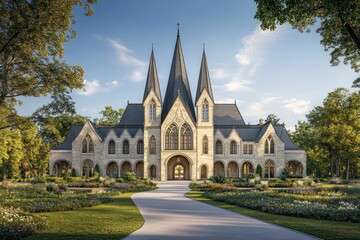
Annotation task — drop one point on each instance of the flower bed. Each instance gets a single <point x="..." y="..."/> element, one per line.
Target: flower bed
<point x="317" y="203"/>
<point x="17" y="224"/>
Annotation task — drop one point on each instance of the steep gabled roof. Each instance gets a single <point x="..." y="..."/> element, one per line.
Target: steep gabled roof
<point x="284" y="136"/>
<point x="204" y="82"/>
<point x="178" y="83"/>
<point x="263" y="130"/>
<point x="152" y="80"/>
<point x="133" y="115"/>
<point x="227" y="115"/>
<point x="73" y="133"/>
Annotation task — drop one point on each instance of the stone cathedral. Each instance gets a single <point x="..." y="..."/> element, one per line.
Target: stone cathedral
<point x="176" y="138"/>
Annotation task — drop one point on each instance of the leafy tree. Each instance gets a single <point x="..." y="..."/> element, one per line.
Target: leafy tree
<point x="273" y="119"/>
<point x="339" y="23"/>
<point x="10" y="153"/>
<point x="111" y="116"/>
<point x="337" y="126"/>
<point x="32" y="34"/>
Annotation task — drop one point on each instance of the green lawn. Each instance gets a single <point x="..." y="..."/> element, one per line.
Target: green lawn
<point x="113" y="220"/>
<point x="320" y="228"/>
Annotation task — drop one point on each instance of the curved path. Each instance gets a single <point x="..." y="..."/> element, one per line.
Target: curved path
<point x="170" y="215"/>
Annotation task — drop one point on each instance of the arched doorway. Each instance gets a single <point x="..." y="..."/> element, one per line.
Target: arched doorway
<point x="61" y="167"/>
<point x="139" y="169"/>
<point x="203" y="172"/>
<point x="112" y="170"/>
<point x="295" y="168"/>
<point x="269" y="169"/>
<point x="152" y="172"/>
<point x="178" y="168"/>
<point x="125" y="168"/>
<point x="247" y="168"/>
<point x="233" y="170"/>
<point x="87" y="168"/>
<point x="219" y="169"/>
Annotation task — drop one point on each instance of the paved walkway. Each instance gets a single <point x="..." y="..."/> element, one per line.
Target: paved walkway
<point x="169" y="215"/>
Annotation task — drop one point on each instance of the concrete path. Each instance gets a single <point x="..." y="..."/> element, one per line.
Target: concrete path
<point x="170" y="215"/>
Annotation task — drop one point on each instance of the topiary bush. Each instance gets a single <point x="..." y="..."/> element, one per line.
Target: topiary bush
<point x="218" y="179"/>
<point x="259" y="170"/>
<point x="73" y="172"/>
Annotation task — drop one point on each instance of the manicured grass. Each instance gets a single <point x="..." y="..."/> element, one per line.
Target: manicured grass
<point x="320" y="228"/>
<point x="113" y="220"/>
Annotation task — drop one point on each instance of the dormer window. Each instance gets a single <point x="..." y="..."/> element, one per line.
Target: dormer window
<point x="152" y="111"/>
<point x="205" y="111"/>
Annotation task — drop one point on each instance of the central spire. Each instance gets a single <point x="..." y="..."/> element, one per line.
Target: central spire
<point x="178" y="83"/>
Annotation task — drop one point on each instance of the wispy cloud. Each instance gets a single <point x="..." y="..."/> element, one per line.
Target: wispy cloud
<point x="219" y="73"/>
<point x="92" y="87"/>
<point x="237" y="84"/>
<point x="297" y="106"/>
<point x="125" y="58"/>
<point x="251" y="55"/>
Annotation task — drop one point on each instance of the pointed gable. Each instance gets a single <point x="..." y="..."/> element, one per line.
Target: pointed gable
<point x="152" y="80"/>
<point x="178" y="83"/>
<point x="204" y="80"/>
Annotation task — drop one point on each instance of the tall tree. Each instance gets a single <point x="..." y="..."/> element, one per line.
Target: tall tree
<point x="339" y="23"/>
<point x="273" y="119"/>
<point x="111" y="116"/>
<point x="32" y="34"/>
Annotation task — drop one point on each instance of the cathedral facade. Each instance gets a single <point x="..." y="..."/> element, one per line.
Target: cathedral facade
<point x="177" y="139"/>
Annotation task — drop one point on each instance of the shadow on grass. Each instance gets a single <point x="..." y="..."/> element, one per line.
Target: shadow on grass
<point x="114" y="220"/>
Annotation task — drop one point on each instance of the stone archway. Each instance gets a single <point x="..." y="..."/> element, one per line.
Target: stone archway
<point x="112" y="170"/>
<point x="61" y="167"/>
<point x="139" y="169"/>
<point x="178" y="168"/>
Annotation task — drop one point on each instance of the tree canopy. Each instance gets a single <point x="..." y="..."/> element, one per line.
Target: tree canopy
<point x="111" y="116"/>
<point x="339" y="24"/>
<point x="32" y="34"/>
<point x="273" y="119"/>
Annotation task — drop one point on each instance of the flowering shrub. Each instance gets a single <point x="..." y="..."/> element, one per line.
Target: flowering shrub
<point x="294" y="204"/>
<point x="16" y="224"/>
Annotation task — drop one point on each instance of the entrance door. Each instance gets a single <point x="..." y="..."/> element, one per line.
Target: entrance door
<point x="179" y="172"/>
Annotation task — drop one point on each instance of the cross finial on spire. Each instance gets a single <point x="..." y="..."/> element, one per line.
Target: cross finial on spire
<point x="178" y="29"/>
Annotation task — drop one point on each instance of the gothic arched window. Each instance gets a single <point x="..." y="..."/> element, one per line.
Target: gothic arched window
<point x="233" y="147"/>
<point x="269" y="146"/>
<point x="126" y="149"/>
<point x="140" y="147"/>
<point x="218" y="147"/>
<point x="152" y="145"/>
<point x="205" y="145"/>
<point x="152" y="111"/>
<point x="171" y="138"/>
<point x="205" y="111"/>
<point x="87" y="145"/>
<point x="111" y="147"/>
<point x="186" y="137"/>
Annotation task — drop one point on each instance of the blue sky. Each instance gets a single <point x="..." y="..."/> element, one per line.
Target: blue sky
<point x="282" y="72"/>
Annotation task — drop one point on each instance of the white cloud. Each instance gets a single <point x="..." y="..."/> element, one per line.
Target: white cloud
<point x="124" y="55"/>
<point x="90" y="88"/>
<point x="237" y="83"/>
<point x="254" y="45"/>
<point x="112" y="84"/>
<point x="219" y="73"/>
<point x="138" y="76"/>
<point x="297" y="106"/>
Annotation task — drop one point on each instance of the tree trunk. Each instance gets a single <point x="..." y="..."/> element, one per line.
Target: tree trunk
<point x="353" y="34"/>
<point x="347" y="169"/>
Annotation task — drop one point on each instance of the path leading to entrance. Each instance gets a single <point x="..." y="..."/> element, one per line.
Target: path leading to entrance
<point x="169" y="214"/>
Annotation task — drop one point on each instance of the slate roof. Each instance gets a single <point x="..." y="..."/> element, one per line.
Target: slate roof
<point x="227" y="115"/>
<point x="284" y="136"/>
<point x="67" y="144"/>
<point x="152" y="80"/>
<point x="133" y="115"/>
<point x="204" y="82"/>
<point x="178" y="84"/>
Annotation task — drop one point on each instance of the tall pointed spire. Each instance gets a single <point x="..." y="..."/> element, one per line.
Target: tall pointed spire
<point x="152" y="80"/>
<point x="178" y="82"/>
<point x="204" y="82"/>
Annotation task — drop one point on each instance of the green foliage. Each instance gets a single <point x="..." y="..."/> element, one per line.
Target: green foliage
<point x="32" y="35"/>
<point x="73" y="172"/>
<point x="273" y="119"/>
<point x="218" y="179"/>
<point x="130" y="177"/>
<point x="259" y="170"/>
<point x="339" y="24"/>
<point x="111" y="116"/>
<point x="17" y="224"/>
